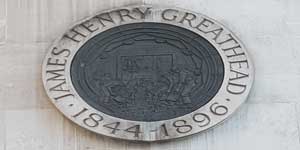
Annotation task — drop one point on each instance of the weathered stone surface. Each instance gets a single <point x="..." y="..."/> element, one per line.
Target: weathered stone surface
<point x="2" y="129"/>
<point x="2" y="32"/>
<point x="33" y="129"/>
<point x="3" y="9"/>
<point x="266" y="125"/>
<point x="21" y="84"/>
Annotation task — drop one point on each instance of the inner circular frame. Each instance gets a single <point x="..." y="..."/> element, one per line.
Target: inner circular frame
<point x="195" y="65"/>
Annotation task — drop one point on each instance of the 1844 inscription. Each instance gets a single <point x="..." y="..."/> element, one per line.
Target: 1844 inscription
<point x="147" y="73"/>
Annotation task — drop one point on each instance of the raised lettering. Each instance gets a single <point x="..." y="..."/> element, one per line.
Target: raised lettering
<point x="205" y="23"/>
<point x="216" y="32"/>
<point x="172" y="17"/>
<point x="238" y="75"/>
<point x="235" y="88"/>
<point x="239" y="62"/>
<point x="233" y="50"/>
<point x="142" y="13"/>
<point x="59" y="87"/>
<point x="75" y="35"/>
<point x="189" y="17"/>
<point x="56" y="62"/>
<point x="63" y="96"/>
<point x="104" y="17"/>
<point x="182" y="126"/>
<point x="64" y="52"/>
<point x="124" y="13"/>
<point x="89" y="26"/>
<point x="57" y="74"/>
<point x="228" y="40"/>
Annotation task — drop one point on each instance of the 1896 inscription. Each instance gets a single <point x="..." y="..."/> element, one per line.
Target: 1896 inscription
<point x="147" y="73"/>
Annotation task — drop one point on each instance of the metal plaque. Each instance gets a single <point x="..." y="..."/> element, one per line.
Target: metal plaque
<point x="147" y="73"/>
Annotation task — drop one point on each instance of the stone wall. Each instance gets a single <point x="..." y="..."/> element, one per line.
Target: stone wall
<point x="270" y="119"/>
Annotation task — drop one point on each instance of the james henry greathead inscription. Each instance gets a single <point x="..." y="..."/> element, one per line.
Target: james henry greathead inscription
<point x="147" y="73"/>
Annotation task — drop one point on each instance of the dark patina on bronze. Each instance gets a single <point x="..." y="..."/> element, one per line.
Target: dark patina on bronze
<point x="147" y="71"/>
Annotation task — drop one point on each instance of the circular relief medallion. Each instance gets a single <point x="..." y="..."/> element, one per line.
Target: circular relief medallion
<point x="147" y="73"/>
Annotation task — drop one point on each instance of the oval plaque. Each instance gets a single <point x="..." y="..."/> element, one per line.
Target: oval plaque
<point x="147" y="73"/>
